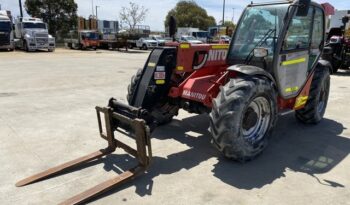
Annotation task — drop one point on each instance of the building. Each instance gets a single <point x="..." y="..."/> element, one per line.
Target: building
<point x="108" y="27"/>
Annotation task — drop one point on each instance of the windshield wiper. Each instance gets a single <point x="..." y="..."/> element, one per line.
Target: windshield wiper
<point x="266" y="36"/>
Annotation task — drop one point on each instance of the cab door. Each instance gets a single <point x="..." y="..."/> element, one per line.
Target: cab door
<point x="297" y="56"/>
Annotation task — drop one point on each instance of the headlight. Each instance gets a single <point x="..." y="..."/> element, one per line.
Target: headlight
<point x="27" y="35"/>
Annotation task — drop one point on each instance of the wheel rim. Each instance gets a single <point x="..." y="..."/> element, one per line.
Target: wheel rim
<point x="256" y="119"/>
<point x="323" y="98"/>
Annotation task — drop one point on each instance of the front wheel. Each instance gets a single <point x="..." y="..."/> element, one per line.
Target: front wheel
<point x="316" y="105"/>
<point x="243" y="116"/>
<point x="144" y="47"/>
<point x="163" y="111"/>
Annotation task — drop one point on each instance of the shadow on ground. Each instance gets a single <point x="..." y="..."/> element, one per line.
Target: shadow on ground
<point x="308" y="149"/>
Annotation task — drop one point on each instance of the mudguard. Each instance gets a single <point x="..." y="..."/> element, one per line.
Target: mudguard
<point x="326" y="64"/>
<point x="251" y="70"/>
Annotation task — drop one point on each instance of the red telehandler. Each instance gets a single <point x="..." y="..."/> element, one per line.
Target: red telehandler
<point x="271" y="68"/>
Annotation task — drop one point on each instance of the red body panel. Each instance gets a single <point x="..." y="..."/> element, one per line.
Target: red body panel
<point x="203" y="71"/>
<point x="91" y="43"/>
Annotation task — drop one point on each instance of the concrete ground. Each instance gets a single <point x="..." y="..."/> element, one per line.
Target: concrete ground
<point x="47" y="117"/>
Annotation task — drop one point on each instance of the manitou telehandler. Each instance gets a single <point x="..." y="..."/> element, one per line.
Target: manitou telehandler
<point x="271" y="68"/>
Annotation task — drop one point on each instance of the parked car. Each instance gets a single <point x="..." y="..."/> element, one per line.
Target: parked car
<point x="190" y="39"/>
<point x="225" y="39"/>
<point x="146" y="43"/>
<point x="160" y="40"/>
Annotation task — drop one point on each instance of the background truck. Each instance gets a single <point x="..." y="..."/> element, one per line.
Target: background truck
<point x="114" y="41"/>
<point x="194" y="32"/>
<point x="31" y="34"/>
<point x="6" y="31"/>
<point x="135" y="34"/>
<point x="217" y="32"/>
<point x="84" y="39"/>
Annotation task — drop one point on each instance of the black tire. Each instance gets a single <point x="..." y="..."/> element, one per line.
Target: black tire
<point x="316" y="105"/>
<point x="232" y="118"/>
<point x="163" y="112"/>
<point x="25" y="46"/>
<point x="336" y="64"/>
<point x="144" y="47"/>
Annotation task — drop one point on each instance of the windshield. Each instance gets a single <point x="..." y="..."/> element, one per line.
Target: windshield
<point x="259" y="27"/>
<point x="202" y="34"/>
<point x="5" y="26"/>
<point x="34" y="25"/>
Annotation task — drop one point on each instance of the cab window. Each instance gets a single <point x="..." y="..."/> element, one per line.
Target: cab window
<point x="299" y="32"/>
<point x="317" y="34"/>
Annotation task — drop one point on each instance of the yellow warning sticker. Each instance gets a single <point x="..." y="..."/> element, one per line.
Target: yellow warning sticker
<point x="224" y="46"/>
<point x="294" y="61"/>
<point x="292" y="89"/>
<point x="180" y="68"/>
<point x="160" y="82"/>
<point x="150" y="64"/>
<point x="185" y="46"/>
<point x="301" y="101"/>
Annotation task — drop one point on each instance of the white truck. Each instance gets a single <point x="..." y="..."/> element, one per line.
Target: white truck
<point x="194" y="32"/>
<point x="31" y="34"/>
<point x="6" y="31"/>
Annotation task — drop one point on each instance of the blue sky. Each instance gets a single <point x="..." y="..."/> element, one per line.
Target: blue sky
<point x="109" y="9"/>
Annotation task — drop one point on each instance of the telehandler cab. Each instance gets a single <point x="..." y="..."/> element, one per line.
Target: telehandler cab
<point x="271" y="68"/>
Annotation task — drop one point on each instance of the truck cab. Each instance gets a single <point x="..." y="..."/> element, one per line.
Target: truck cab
<point x="32" y="34"/>
<point x="83" y="39"/>
<point x="6" y="31"/>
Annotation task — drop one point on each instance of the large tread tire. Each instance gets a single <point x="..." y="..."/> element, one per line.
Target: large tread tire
<point x="336" y="64"/>
<point x="319" y="91"/>
<point x="229" y="108"/>
<point x="163" y="113"/>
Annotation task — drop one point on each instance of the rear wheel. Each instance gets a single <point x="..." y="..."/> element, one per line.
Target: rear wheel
<point x="336" y="64"/>
<point x="316" y="105"/>
<point x="243" y="116"/>
<point x="163" y="112"/>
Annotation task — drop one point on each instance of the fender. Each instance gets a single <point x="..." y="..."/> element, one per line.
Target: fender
<point x="325" y="64"/>
<point x="251" y="71"/>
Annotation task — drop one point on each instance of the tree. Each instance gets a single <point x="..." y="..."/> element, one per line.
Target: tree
<point x="230" y="24"/>
<point x="189" y="14"/>
<point x="60" y="15"/>
<point x="133" y="15"/>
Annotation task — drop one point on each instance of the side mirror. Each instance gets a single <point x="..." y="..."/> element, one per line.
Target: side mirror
<point x="303" y="7"/>
<point x="172" y="27"/>
<point x="261" y="52"/>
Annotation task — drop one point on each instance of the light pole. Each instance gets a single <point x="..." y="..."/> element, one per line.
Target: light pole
<point x="92" y="7"/>
<point x="20" y="8"/>
<point x="233" y="16"/>
<point x="223" y="13"/>
<point x="96" y="12"/>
